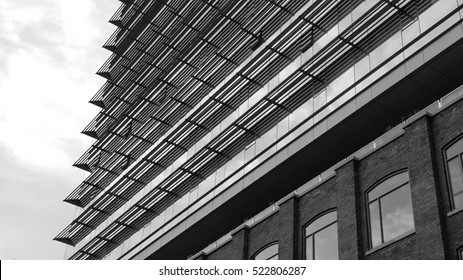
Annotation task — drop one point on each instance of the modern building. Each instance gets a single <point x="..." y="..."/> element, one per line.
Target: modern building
<point x="297" y="129"/>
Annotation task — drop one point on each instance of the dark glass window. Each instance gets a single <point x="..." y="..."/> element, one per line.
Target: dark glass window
<point x="454" y="159"/>
<point x="390" y="210"/>
<point x="321" y="238"/>
<point x="270" y="252"/>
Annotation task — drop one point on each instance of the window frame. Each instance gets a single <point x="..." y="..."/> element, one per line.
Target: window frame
<point x="459" y="156"/>
<point x="368" y="202"/>
<point x="305" y="236"/>
<point x="263" y="248"/>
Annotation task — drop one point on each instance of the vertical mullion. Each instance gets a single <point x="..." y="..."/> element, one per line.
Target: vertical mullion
<point x="313" y="246"/>
<point x="370" y="235"/>
<point x="460" y="163"/>
<point x="461" y="166"/>
<point x="380" y="220"/>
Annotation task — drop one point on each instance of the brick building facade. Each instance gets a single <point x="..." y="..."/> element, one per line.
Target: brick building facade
<point x="417" y="147"/>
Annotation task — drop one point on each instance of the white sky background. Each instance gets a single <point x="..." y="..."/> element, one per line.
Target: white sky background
<point x="49" y="52"/>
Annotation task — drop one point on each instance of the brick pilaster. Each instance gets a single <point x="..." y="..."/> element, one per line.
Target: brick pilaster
<point x="239" y="245"/>
<point x="424" y="189"/>
<point x="348" y="208"/>
<point x="288" y="229"/>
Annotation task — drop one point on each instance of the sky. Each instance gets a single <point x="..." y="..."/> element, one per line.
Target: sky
<point x="49" y="53"/>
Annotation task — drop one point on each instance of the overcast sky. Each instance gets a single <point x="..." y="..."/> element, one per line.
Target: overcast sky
<point x="49" y="52"/>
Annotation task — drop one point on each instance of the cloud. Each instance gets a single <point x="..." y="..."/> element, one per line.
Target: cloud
<point x="47" y="76"/>
<point x="25" y="27"/>
<point x="398" y="222"/>
<point x="29" y="199"/>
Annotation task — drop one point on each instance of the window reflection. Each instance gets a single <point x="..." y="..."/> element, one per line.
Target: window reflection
<point x="396" y="213"/>
<point x="270" y="252"/>
<point x="321" y="238"/>
<point x="454" y="156"/>
<point x="390" y="209"/>
<point x="375" y="224"/>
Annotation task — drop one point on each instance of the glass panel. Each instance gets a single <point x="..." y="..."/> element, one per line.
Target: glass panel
<point x="456" y="180"/>
<point x="326" y="243"/>
<point x="283" y="127"/>
<point x="363" y="8"/>
<point x="320" y="100"/>
<point x="301" y="113"/>
<point x="288" y="71"/>
<point x="388" y="185"/>
<point x="200" y="144"/>
<point x="207" y="185"/>
<point x="455" y="149"/>
<point x="169" y="212"/>
<point x="397" y="213"/>
<point x="309" y="248"/>
<point x="375" y="226"/>
<point x="193" y="195"/>
<point x="234" y="164"/>
<point x="411" y="32"/>
<point x="268" y="253"/>
<point x="435" y="13"/>
<point x="219" y="175"/>
<point x="325" y="39"/>
<point x="250" y="151"/>
<point x="265" y="140"/>
<point x="180" y="204"/>
<point x="385" y="50"/>
<point x="362" y="68"/>
<point x="458" y="201"/>
<point x="340" y="83"/>
<point x="320" y="223"/>
<point x="345" y="23"/>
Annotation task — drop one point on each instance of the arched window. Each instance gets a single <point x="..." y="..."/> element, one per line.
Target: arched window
<point x="390" y="212"/>
<point x="454" y="160"/>
<point x="321" y="238"/>
<point x="460" y="253"/>
<point x="268" y="252"/>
